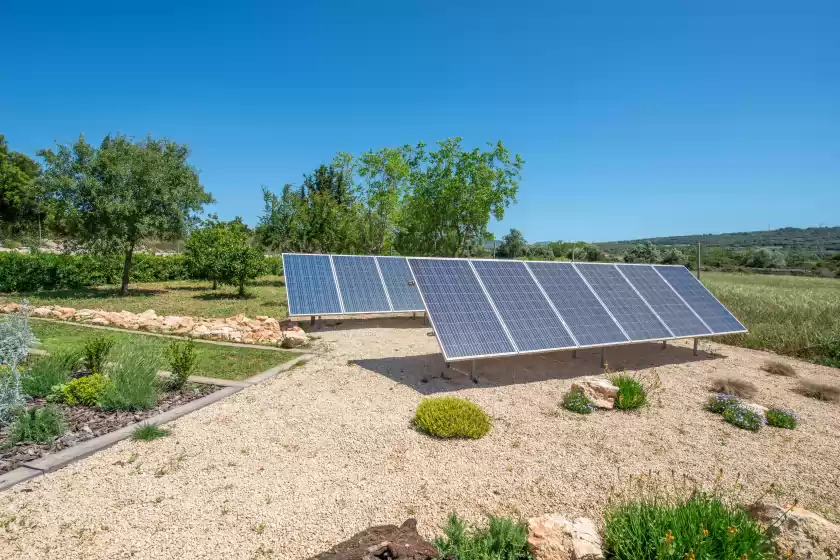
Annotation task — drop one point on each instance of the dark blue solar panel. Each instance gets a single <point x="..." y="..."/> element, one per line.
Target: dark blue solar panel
<point x="636" y="318"/>
<point x="580" y="309"/>
<point x="461" y="314"/>
<point x="360" y="285"/>
<point x="671" y="309"/>
<point x="531" y="321"/>
<point x="310" y="285"/>
<point x="400" y="284"/>
<point x="713" y="313"/>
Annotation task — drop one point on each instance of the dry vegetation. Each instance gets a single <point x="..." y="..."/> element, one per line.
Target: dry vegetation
<point x="776" y="367"/>
<point x="734" y="386"/>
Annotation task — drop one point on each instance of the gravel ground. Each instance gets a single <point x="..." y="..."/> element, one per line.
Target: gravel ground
<point x="288" y="468"/>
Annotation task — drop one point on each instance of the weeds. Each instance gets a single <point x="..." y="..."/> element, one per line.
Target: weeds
<point x="450" y="417"/>
<point x="819" y="391"/>
<point x="47" y="372"/>
<point x="720" y="402"/>
<point x="502" y="539"/>
<point x="736" y="387"/>
<point x="39" y="424"/>
<point x="95" y="352"/>
<point x="148" y="432"/>
<point x="744" y="418"/>
<point x="780" y="418"/>
<point x="631" y="393"/>
<point x="133" y="379"/>
<point x="182" y="361"/>
<point x="778" y="368"/>
<point x="577" y="401"/>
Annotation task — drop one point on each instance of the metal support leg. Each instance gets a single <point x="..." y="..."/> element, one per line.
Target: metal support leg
<point x="574" y="354"/>
<point x="414" y="315"/>
<point x="664" y="344"/>
<point x="312" y="321"/>
<point x="425" y="319"/>
<point x="604" y="357"/>
<point x="695" y="346"/>
<point x="472" y="372"/>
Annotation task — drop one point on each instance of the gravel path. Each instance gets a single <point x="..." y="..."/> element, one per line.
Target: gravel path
<point x="289" y="467"/>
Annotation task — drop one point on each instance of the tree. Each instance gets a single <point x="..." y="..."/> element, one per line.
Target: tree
<point x="109" y="198"/>
<point x="541" y="252"/>
<point x="643" y="253"/>
<point x="238" y="260"/>
<point x="765" y="258"/>
<point x="203" y="250"/>
<point x="513" y="245"/>
<point x="19" y="200"/>
<point x="674" y="256"/>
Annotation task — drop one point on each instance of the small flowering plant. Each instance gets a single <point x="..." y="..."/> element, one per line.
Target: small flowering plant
<point x="577" y="401"/>
<point x="743" y="417"/>
<point x="782" y="418"/>
<point x="719" y="402"/>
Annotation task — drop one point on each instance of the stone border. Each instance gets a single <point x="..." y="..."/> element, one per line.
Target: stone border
<point x="55" y="461"/>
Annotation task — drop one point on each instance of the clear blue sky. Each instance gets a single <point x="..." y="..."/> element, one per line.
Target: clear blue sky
<point x="635" y="118"/>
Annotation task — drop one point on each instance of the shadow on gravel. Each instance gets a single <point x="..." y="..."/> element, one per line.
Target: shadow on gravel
<point x="428" y="374"/>
<point x="366" y="322"/>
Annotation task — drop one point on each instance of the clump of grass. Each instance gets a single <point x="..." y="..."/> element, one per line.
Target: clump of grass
<point x="95" y="352"/>
<point x="182" y="361"/>
<point x="148" y="432"/>
<point x="699" y="526"/>
<point x="781" y="418"/>
<point x="133" y="381"/>
<point x="819" y="391"/>
<point x="577" y="401"/>
<point x="631" y="393"/>
<point x="732" y="386"/>
<point x="47" y="372"/>
<point x="39" y="424"/>
<point x="778" y="368"/>
<point x="720" y="402"/>
<point x="450" y="417"/>
<point x="744" y="418"/>
<point x="502" y="539"/>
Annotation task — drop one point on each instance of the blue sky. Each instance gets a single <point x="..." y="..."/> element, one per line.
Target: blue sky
<point x="635" y="119"/>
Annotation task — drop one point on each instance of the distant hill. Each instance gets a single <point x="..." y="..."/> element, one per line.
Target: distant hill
<point x="815" y="239"/>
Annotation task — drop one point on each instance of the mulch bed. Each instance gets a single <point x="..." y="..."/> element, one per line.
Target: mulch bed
<point x="86" y="423"/>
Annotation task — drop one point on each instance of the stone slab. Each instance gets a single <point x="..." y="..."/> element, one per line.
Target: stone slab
<point x="20" y="474"/>
<point x="269" y="373"/>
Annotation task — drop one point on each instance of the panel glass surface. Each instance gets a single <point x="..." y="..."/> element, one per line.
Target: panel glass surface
<point x="395" y="272"/>
<point x="636" y="318"/>
<point x="531" y="321"/>
<point x="461" y="314"/>
<point x="580" y="309"/>
<point x="713" y="313"/>
<point x="667" y="304"/>
<point x="310" y="285"/>
<point x="360" y="285"/>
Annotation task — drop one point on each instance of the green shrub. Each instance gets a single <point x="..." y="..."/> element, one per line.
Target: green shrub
<point x="743" y="417"/>
<point x="781" y="418"/>
<point x="450" y="417"/>
<point x="182" y="360"/>
<point x="699" y="527"/>
<point x="778" y="368"/>
<point x="502" y="539"/>
<point x="631" y="392"/>
<point x="39" y="424"/>
<point x="732" y="386"/>
<point x="47" y="372"/>
<point x="134" y="383"/>
<point x="81" y="391"/>
<point x="819" y="391"/>
<point x="577" y="401"/>
<point x="720" y="402"/>
<point x="148" y="432"/>
<point x="95" y="352"/>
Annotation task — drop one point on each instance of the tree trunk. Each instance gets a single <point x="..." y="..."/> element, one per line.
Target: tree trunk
<point x="129" y="253"/>
<point x="214" y="283"/>
<point x="242" y="287"/>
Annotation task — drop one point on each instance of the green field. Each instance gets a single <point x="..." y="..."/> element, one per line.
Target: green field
<point x="792" y="315"/>
<point x="266" y="296"/>
<point x="221" y="362"/>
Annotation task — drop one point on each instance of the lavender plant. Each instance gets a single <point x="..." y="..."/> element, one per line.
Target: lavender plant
<point x="15" y="339"/>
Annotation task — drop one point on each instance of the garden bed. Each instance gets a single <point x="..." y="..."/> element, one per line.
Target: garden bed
<point x="84" y="423"/>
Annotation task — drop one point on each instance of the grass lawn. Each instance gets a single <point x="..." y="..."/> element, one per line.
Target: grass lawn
<point x="792" y="315"/>
<point x="222" y="362"/>
<point x="266" y="296"/>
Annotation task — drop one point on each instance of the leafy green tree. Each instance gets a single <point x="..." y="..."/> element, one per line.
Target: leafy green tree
<point x="203" y="250"/>
<point x="111" y="197"/>
<point x="765" y="258"/>
<point x="541" y="252"/>
<point x="19" y="197"/>
<point x="643" y="253"/>
<point x="236" y="260"/>
<point x="674" y="256"/>
<point x="513" y="245"/>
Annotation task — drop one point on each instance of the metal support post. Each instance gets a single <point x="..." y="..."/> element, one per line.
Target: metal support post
<point x="574" y="354"/>
<point x="414" y="315"/>
<point x="664" y="344"/>
<point x="695" y="346"/>
<point x="312" y="321"/>
<point x="604" y="357"/>
<point x="472" y="371"/>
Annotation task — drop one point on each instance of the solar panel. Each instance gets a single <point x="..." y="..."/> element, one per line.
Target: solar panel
<point x="310" y="285"/>
<point x="463" y="318"/>
<point x="668" y="305"/>
<point x="586" y="318"/>
<point x="360" y="284"/>
<point x="628" y="308"/>
<point x="400" y="284"/>
<point x="701" y="300"/>
<point x="530" y="320"/>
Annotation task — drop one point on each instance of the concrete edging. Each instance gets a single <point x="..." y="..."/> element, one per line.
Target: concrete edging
<point x="55" y="461"/>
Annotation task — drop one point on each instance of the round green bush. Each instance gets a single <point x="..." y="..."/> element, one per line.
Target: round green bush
<point x="631" y="393"/>
<point x="743" y="417"/>
<point x="450" y="417"/>
<point x="577" y="401"/>
<point x="81" y="391"/>
<point x="780" y="418"/>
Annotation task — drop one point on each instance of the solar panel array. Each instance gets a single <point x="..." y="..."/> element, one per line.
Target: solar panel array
<point x="341" y="284"/>
<point x="482" y="308"/>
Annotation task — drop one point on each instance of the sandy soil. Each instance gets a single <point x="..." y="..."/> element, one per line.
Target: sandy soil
<point x="289" y="467"/>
